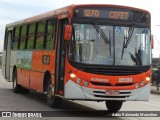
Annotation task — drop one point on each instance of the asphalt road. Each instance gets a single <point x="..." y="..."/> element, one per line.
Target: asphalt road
<point x="10" y="101"/>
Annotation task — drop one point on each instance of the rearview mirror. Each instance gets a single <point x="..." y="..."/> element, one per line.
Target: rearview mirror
<point x="67" y="32"/>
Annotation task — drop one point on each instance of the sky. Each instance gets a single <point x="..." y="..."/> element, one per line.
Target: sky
<point x="15" y="10"/>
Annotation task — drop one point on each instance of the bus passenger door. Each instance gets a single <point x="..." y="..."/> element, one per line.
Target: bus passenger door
<point x="8" y="53"/>
<point x="60" y="58"/>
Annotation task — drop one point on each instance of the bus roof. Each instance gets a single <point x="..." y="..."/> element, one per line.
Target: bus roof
<point x="64" y="10"/>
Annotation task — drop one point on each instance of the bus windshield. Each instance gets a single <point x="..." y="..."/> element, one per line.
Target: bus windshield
<point x="102" y="44"/>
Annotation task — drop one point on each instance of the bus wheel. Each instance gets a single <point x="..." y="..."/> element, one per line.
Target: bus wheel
<point x="52" y="101"/>
<point x="113" y="106"/>
<point x="16" y="87"/>
<point x="25" y="90"/>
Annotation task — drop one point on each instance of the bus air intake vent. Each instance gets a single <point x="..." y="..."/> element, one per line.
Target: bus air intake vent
<point x="108" y="84"/>
<point x="124" y="84"/>
<point x="101" y="84"/>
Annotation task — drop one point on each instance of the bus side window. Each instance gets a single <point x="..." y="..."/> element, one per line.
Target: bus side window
<point x="30" y="36"/>
<point x="13" y="39"/>
<point x="5" y="40"/>
<point x="16" y="36"/>
<point x="50" y="34"/>
<point x="23" y="37"/>
<point x="40" y="34"/>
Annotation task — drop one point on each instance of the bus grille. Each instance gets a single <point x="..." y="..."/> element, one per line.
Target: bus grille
<point x="101" y="94"/>
<point x="111" y="96"/>
<point x="108" y="84"/>
<point x="122" y="93"/>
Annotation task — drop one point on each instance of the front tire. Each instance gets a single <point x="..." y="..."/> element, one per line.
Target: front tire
<point x="16" y="86"/>
<point x="25" y="90"/>
<point x="53" y="101"/>
<point x="113" y="106"/>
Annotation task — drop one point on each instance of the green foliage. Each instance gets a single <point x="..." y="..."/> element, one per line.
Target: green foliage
<point x="40" y="35"/>
<point x="39" y="42"/>
<point x="30" y="42"/>
<point x="31" y="29"/>
<point x="15" y="44"/>
<point x="51" y="27"/>
<point x="49" y="42"/>
<point x="17" y="32"/>
<point x="23" y="32"/>
<point x="41" y="27"/>
<point x="22" y="43"/>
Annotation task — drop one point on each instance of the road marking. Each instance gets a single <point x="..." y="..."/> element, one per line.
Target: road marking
<point x="151" y="104"/>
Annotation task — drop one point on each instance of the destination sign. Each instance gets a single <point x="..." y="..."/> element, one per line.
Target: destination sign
<point x="118" y="15"/>
<point x="91" y="13"/>
<point x="112" y="13"/>
<point x="109" y="14"/>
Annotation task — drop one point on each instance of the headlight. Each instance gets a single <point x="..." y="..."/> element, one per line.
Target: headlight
<point x="72" y="75"/>
<point x="148" y="79"/>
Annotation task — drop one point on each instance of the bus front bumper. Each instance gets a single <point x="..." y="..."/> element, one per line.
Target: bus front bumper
<point x="76" y="92"/>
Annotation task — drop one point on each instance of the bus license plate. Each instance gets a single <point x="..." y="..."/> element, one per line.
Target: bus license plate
<point x="112" y="93"/>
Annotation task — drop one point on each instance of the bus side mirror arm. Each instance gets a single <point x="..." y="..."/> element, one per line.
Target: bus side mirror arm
<point x="68" y="32"/>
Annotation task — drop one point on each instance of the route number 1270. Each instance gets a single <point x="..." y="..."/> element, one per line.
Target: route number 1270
<point x="91" y="13"/>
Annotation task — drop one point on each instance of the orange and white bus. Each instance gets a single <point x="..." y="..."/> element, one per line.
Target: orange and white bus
<point x="81" y="52"/>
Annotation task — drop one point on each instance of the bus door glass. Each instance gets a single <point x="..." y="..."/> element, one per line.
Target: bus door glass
<point x="60" y="57"/>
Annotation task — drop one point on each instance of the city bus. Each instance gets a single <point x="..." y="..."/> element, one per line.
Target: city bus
<point x="92" y="52"/>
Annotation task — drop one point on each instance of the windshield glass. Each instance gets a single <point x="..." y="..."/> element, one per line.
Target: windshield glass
<point x="137" y="52"/>
<point x="105" y="45"/>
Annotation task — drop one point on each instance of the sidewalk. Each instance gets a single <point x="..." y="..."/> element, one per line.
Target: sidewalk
<point x="154" y="90"/>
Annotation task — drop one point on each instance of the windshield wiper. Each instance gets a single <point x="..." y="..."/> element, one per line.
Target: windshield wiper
<point x="105" y="38"/>
<point x="127" y="39"/>
<point x="99" y="30"/>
